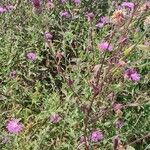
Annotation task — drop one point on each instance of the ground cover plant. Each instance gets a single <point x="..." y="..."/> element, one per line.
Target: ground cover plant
<point x="74" y="74"/>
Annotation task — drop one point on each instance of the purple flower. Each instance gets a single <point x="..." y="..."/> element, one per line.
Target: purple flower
<point x="2" y="9"/>
<point x="14" y="126"/>
<point x="50" y="4"/>
<point x="31" y="56"/>
<point x="119" y="124"/>
<point x="65" y="14"/>
<point x="48" y="36"/>
<point x="117" y="106"/>
<point x="55" y="118"/>
<point x="90" y="16"/>
<point x="105" y="46"/>
<point x="99" y="25"/>
<point x="13" y="74"/>
<point x="77" y="1"/>
<point x="6" y="9"/>
<point x="129" y="5"/>
<point x="36" y="3"/>
<point x="103" y="21"/>
<point x="96" y="136"/>
<point x="133" y="75"/>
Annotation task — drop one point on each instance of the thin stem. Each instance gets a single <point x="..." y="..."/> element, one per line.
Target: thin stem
<point x="92" y="101"/>
<point x="144" y="137"/>
<point x="79" y="99"/>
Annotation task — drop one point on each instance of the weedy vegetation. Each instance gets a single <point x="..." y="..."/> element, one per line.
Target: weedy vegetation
<point x="74" y="75"/>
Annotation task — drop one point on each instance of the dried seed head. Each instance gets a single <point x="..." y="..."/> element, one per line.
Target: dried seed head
<point x="119" y="17"/>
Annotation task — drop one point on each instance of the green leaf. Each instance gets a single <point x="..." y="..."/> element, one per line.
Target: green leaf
<point x="128" y="50"/>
